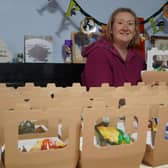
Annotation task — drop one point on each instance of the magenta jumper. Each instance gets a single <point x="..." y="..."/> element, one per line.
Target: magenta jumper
<point x="104" y="65"/>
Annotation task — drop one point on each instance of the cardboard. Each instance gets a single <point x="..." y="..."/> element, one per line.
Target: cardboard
<point x="158" y="155"/>
<point x="10" y="104"/>
<point x="104" y="93"/>
<point x="101" y="91"/>
<point x="40" y="98"/>
<point x="64" y="101"/>
<point x="154" y="77"/>
<point x="117" y="156"/>
<point x="62" y="158"/>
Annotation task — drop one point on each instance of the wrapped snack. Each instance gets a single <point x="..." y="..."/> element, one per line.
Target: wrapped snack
<point x="112" y="136"/>
<point x="26" y="127"/>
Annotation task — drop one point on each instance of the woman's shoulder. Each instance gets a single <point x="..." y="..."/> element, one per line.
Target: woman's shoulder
<point x="101" y="44"/>
<point x="136" y="52"/>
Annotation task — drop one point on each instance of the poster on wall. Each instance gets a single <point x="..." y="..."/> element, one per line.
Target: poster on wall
<point x="5" y="54"/>
<point x="38" y="49"/>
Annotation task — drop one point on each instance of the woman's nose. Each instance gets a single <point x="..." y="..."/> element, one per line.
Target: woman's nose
<point x="125" y="27"/>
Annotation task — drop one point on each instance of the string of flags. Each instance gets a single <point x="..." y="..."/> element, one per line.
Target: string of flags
<point x="73" y="7"/>
<point x="156" y="25"/>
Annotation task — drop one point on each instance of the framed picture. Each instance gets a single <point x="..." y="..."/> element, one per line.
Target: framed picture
<point x="160" y="42"/>
<point x="5" y="54"/>
<point x="80" y="40"/>
<point x="157" y="60"/>
<point x="38" y="49"/>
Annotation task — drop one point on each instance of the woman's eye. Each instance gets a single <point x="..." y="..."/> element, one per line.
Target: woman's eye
<point x="130" y="23"/>
<point x="120" y="23"/>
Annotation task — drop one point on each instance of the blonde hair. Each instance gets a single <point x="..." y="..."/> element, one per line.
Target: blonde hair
<point x="136" y="40"/>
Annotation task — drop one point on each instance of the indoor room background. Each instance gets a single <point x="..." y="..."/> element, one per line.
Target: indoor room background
<point x="47" y="17"/>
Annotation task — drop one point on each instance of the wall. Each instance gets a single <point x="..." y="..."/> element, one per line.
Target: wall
<point x="21" y="17"/>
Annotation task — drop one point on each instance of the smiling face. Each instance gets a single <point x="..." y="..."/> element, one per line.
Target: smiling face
<point x="123" y="28"/>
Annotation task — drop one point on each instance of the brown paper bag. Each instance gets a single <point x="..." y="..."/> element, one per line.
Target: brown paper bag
<point x="117" y="156"/>
<point x="62" y="158"/>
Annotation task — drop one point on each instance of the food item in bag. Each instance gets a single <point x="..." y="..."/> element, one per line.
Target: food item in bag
<point x="112" y="136"/>
<point x="26" y="127"/>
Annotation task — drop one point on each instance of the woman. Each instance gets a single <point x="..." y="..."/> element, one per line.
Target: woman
<point x="115" y="58"/>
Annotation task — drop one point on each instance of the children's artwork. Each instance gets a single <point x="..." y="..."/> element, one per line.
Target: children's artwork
<point x="80" y="40"/>
<point x="38" y="49"/>
<point x="157" y="60"/>
<point x="160" y="42"/>
<point x="5" y="54"/>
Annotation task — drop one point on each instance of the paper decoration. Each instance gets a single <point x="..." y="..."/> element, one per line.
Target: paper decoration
<point x="38" y="49"/>
<point x="5" y="54"/>
<point x="74" y="4"/>
<point x="72" y="8"/>
<point x="165" y="27"/>
<point x="51" y="6"/>
<point x="165" y="11"/>
<point x="153" y="26"/>
<point x="103" y="29"/>
<point x="88" y="26"/>
<point x="157" y="60"/>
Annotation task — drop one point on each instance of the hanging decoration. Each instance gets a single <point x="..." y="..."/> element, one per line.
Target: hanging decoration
<point x="165" y="28"/>
<point x="72" y="8"/>
<point x="87" y="15"/>
<point x="53" y="6"/>
<point x="72" y="3"/>
<point x="165" y="11"/>
<point x="165" y="18"/>
<point x="103" y="29"/>
<point x="153" y="26"/>
<point x="88" y="25"/>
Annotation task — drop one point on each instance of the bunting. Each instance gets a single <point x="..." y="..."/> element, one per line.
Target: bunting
<point x="164" y="8"/>
<point x="73" y="7"/>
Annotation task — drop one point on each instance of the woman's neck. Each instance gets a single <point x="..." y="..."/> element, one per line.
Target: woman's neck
<point x="122" y="49"/>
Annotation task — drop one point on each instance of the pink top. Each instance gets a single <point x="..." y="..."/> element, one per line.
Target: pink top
<point x="104" y="65"/>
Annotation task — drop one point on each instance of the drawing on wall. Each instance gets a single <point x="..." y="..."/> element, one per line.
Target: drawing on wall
<point x="38" y="49"/>
<point x="51" y="6"/>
